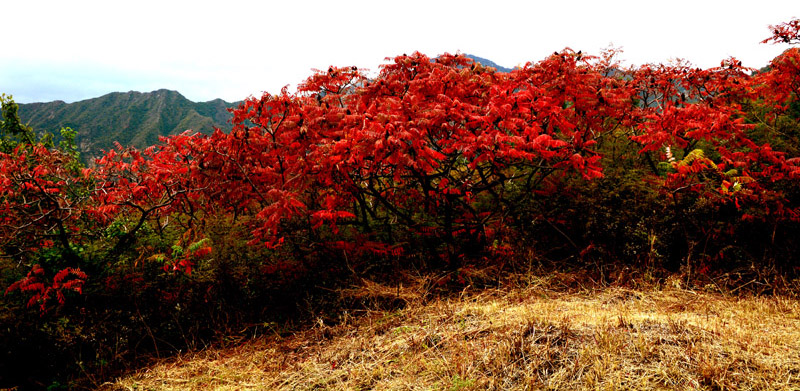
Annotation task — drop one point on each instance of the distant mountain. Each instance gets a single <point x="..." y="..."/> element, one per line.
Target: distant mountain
<point x="130" y="118"/>
<point x="487" y="63"/>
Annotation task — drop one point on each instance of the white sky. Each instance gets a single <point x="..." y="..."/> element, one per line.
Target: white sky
<point x="73" y="50"/>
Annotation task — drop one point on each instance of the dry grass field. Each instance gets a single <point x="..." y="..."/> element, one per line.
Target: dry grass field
<point x="532" y="336"/>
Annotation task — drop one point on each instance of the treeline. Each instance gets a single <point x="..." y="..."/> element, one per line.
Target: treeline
<point x="436" y="164"/>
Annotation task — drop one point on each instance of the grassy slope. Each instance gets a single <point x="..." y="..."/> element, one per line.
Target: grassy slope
<point x="534" y="336"/>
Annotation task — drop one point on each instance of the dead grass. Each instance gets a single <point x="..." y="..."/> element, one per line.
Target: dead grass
<point x="524" y="338"/>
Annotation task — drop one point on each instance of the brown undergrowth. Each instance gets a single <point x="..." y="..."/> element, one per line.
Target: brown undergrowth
<point x="534" y="335"/>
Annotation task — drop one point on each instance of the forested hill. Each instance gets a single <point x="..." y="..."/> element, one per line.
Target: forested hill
<point x="131" y="118"/>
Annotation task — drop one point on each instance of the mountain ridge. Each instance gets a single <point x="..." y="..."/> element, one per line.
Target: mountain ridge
<point x="131" y="118"/>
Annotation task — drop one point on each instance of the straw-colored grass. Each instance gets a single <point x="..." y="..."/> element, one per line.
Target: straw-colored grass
<point x="523" y="338"/>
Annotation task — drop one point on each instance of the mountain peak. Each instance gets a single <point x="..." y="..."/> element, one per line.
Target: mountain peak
<point x="164" y="91"/>
<point x="487" y="63"/>
<point x="132" y="118"/>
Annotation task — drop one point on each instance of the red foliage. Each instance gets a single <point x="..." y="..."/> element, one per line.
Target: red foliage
<point x="781" y="83"/>
<point x="685" y="109"/>
<point x="445" y="149"/>
<point x="44" y="200"/>
<point x="787" y="32"/>
<point x="42" y="291"/>
<point x="439" y="143"/>
<point x="150" y="184"/>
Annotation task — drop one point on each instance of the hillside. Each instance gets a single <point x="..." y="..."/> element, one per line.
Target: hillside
<point x="538" y="336"/>
<point x="131" y="118"/>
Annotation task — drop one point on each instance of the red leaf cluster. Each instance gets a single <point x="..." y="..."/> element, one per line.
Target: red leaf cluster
<point x="42" y="291"/>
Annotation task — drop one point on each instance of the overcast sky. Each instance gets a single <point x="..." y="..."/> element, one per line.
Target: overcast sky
<point x="74" y="50"/>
